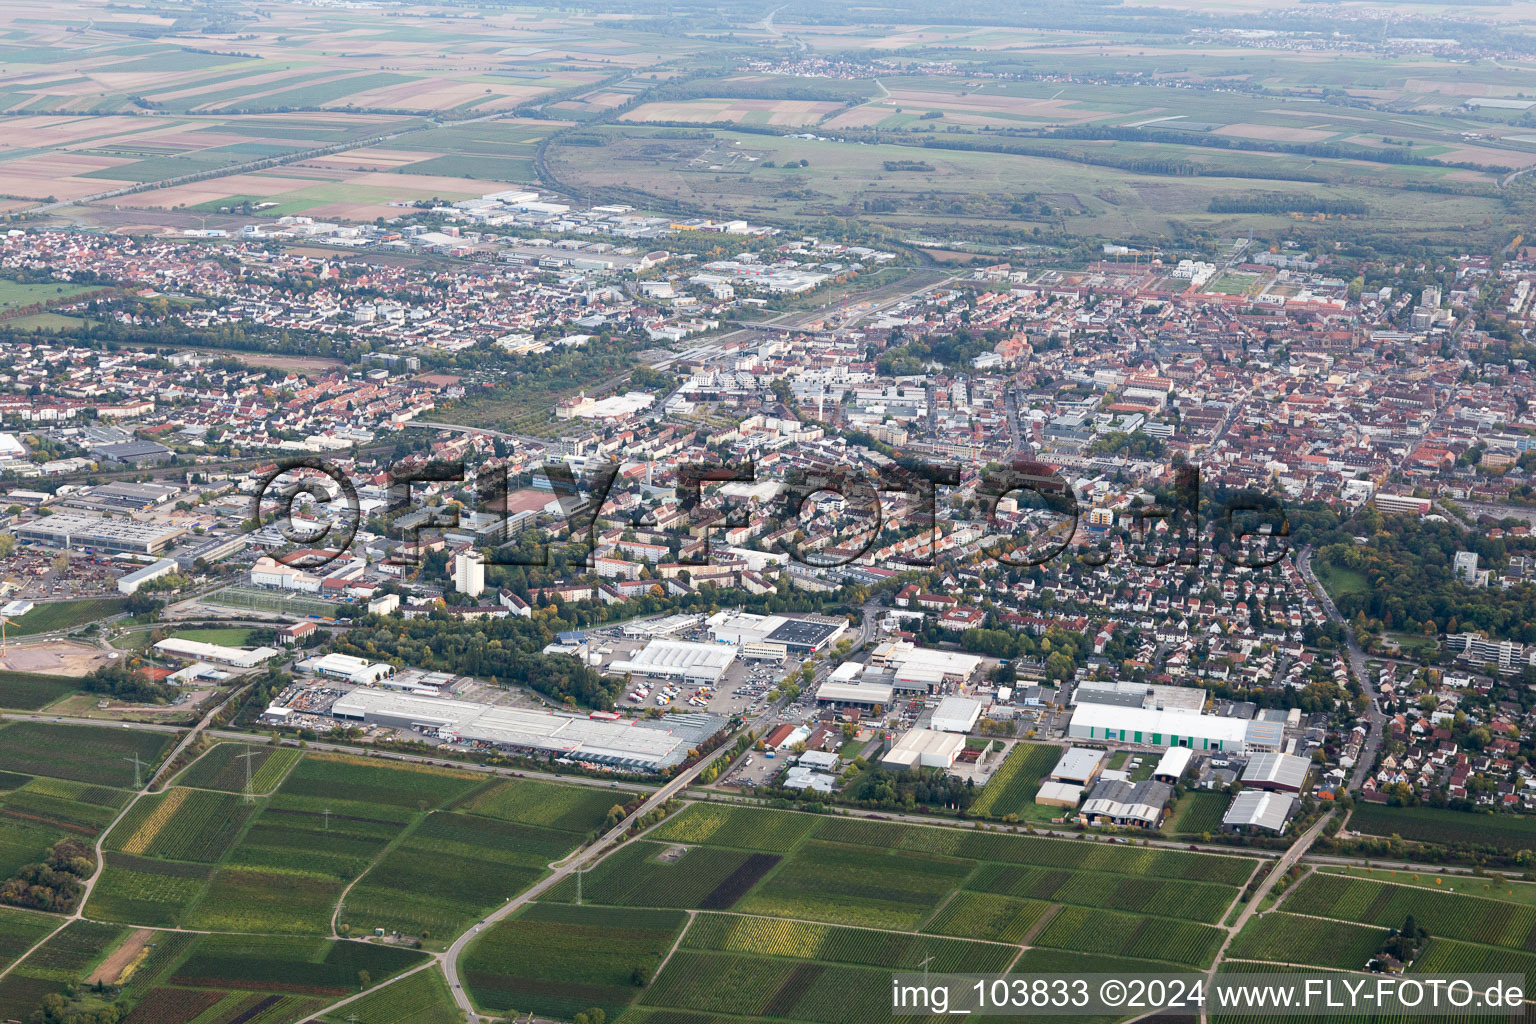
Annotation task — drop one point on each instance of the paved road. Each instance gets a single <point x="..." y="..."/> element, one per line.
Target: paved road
<point x="1374" y="717"/>
<point x="450" y="959"/>
<point x="1287" y="860"/>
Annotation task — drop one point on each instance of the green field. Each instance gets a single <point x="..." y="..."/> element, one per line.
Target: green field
<point x="226" y="766"/>
<point x="1308" y="940"/>
<point x="14" y="294"/>
<point x="1338" y="580"/>
<point x="844" y="895"/>
<point x="97" y="754"/>
<point x="57" y="615"/>
<point x="233" y="636"/>
<point x="29" y="691"/>
<point x="1013" y="785"/>
<point x="739" y="827"/>
<point x="560" y="960"/>
<point x="420" y="998"/>
<point x="1435" y="825"/>
<point x="1198" y="812"/>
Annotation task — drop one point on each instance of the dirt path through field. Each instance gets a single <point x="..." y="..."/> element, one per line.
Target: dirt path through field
<point x="112" y="967"/>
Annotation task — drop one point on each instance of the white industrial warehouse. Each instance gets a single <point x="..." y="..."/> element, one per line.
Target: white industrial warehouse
<point x="1167" y="727"/>
<point x="922" y="669"/>
<point x="1253" y="809"/>
<point x="629" y="743"/>
<point x="923" y="748"/>
<point x="360" y="671"/>
<point x="217" y="654"/>
<point x="955" y="714"/>
<point x="679" y="659"/>
<point x="855" y="695"/>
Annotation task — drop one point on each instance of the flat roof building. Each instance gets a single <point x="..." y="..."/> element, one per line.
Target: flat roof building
<point x="97" y="533"/>
<point x="679" y="659"/>
<point x="360" y="671"/>
<point x="217" y="654"/>
<point x="955" y="714"/>
<point x="799" y="635"/>
<point x="1284" y="773"/>
<point x="1058" y="794"/>
<point x="1254" y="810"/>
<point x="921" y="669"/>
<point x="131" y="583"/>
<point x="923" y="748"/>
<point x="1078" y="766"/>
<point x="626" y="742"/>
<point x="1166" y="728"/>
<point x="856" y="695"/>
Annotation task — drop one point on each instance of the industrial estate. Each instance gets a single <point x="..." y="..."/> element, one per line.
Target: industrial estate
<point x="710" y="513"/>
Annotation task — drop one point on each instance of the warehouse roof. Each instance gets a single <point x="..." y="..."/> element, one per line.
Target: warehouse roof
<point x="1173" y="762"/>
<point x="956" y="714"/>
<point x="855" y="693"/>
<point x="1165" y="723"/>
<point x="916" y="742"/>
<point x="1140" y="801"/>
<point x="1285" y="770"/>
<point x="1077" y="764"/>
<point x="639" y="744"/>
<point x="1252" y="808"/>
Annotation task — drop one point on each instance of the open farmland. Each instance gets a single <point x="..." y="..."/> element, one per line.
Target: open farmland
<point x="1308" y="940"/>
<point x="420" y="998"/>
<point x="57" y="615"/>
<point x="560" y="960"/>
<point x="1011" y="789"/>
<point x="67" y="957"/>
<point x="224" y="767"/>
<point x="101" y="756"/>
<point x="1433" y="825"/>
<point x="451" y="869"/>
<point x="181" y="824"/>
<point x="884" y="880"/>
<point x="724" y="825"/>
<point x="29" y="691"/>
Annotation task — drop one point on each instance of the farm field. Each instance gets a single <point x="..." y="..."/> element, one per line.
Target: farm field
<point x="31" y="691"/>
<point x="420" y="998"/>
<point x="1013" y="785"/>
<point x="14" y="294"/>
<point x="1198" y="812"/>
<point x="66" y="957"/>
<point x="560" y="959"/>
<point x="98" y="755"/>
<point x="1097" y="188"/>
<point x="1495" y="888"/>
<point x="1445" y="914"/>
<point x="223" y="767"/>
<point x="1307" y="940"/>
<point x="1434" y="825"/>
<point x="57" y="615"/>
<point x="944" y="881"/>
<point x="739" y="827"/>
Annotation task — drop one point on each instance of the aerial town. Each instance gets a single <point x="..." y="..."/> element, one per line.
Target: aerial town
<point x="799" y="506"/>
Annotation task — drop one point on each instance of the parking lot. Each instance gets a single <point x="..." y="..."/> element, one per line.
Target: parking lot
<point x="741" y="690"/>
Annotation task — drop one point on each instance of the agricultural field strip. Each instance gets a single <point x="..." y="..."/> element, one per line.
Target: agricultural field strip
<point x="90" y="883"/>
<point x="270" y="162"/>
<point x="695" y="915"/>
<point x="1446" y="933"/>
